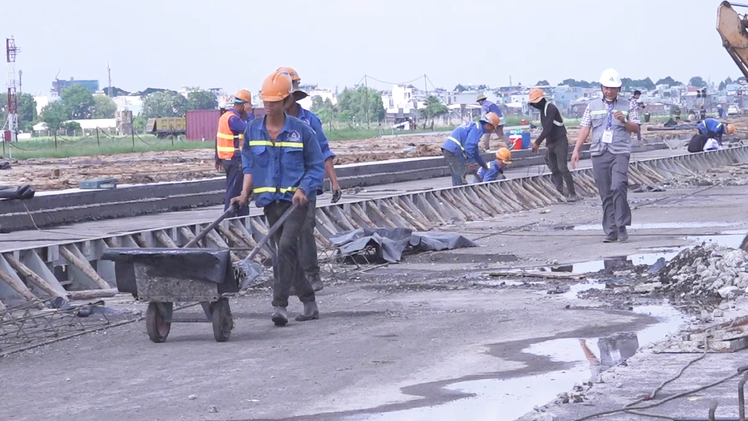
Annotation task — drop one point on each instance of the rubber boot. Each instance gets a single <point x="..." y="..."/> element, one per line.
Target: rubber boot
<point x="311" y="312"/>
<point x="280" y="316"/>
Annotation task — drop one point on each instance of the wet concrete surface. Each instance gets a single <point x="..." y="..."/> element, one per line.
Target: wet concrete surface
<point x="424" y="335"/>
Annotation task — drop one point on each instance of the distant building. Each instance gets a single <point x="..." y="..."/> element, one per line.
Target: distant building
<point x="60" y="85"/>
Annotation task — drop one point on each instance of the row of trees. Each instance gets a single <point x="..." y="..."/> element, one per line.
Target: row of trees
<point x="646" y="83"/>
<point x="167" y="103"/>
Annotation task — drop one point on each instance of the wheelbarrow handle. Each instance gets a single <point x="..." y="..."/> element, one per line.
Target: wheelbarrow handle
<point x="229" y="212"/>
<point x="279" y="223"/>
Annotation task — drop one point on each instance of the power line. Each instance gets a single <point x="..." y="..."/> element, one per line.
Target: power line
<point x="394" y="83"/>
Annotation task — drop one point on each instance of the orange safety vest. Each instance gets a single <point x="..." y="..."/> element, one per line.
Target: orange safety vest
<point x="227" y="143"/>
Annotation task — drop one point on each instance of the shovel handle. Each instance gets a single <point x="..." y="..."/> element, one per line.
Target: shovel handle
<point x="229" y="212"/>
<point x="279" y="223"/>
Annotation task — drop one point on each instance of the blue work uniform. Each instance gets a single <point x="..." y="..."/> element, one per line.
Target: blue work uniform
<point x="278" y="169"/>
<point x="493" y="173"/>
<point x="490" y="107"/>
<point x="307" y="241"/>
<point x="461" y="148"/>
<point x="712" y="128"/>
<point x="233" y="167"/>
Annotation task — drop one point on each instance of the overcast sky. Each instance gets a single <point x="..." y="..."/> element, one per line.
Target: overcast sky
<point x="206" y="43"/>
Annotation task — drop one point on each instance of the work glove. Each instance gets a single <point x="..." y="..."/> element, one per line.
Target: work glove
<point x="336" y="194"/>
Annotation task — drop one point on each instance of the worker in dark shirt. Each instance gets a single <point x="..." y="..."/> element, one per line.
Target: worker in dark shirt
<point x="557" y="144"/>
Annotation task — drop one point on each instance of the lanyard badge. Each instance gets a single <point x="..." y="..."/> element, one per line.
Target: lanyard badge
<point x="608" y="134"/>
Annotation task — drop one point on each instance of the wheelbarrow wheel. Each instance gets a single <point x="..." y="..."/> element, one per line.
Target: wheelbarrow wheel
<point x="223" y="322"/>
<point x="158" y="329"/>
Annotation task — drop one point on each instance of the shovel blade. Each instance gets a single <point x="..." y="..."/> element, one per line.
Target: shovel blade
<point x="246" y="273"/>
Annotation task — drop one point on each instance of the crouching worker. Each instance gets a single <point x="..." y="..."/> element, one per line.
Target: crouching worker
<point x="496" y="167"/>
<point x="461" y="148"/>
<point x="282" y="164"/>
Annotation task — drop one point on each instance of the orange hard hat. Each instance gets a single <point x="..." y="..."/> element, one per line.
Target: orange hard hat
<point x="276" y="87"/>
<point x="291" y="72"/>
<point x="504" y="155"/>
<point x="730" y="128"/>
<point x="536" y="95"/>
<point x="492" y="119"/>
<point x="242" y="97"/>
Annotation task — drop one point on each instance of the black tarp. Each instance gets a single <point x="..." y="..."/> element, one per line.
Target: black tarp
<point x="390" y="243"/>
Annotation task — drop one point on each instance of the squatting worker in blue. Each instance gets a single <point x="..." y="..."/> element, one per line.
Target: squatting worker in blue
<point x="496" y="167"/>
<point x="486" y="107"/>
<point x="231" y="127"/>
<point x="611" y="120"/>
<point x="307" y="242"/>
<point x="714" y="129"/>
<point x="461" y="148"/>
<point x="282" y="164"/>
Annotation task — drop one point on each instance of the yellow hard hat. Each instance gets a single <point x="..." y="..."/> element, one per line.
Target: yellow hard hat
<point x="276" y="87"/>
<point x="504" y="155"/>
<point x="243" y="97"/>
<point x="492" y="119"/>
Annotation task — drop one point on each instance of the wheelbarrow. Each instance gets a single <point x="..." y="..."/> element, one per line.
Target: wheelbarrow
<point x="163" y="276"/>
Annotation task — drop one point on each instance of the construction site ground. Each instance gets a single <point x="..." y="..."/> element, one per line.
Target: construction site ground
<point x="436" y="337"/>
<point x="46" y="174"/>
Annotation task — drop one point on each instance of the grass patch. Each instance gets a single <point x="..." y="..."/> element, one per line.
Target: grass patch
<point x="66" y="147"/>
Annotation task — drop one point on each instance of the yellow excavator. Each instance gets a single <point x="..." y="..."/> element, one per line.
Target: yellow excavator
<point x="731" y="26"/>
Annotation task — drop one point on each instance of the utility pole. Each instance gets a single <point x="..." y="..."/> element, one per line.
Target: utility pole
<point x="11" y="126"/>
<point x="366" y="84"/>
<point x="426" y="85"/>
<point x="109" y="74"/>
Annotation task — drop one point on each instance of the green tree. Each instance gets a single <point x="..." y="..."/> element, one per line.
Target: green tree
<point x="78" y="102"/>
<point x="26" y="110"/>
<point x="71" y="127"/>
<point x="460" y="88"/>
<point x="138" y="123"/>
<point x="722" y="86"/>
<point x="164" y="104"/>
<point x="201" y="100"/>
<point x="576" y="84"/>
<point x="434" y="108"/>
<point x="104" y="107"/>
<point x="54" y="115"/>
<point x="542" y="83"/>
<point x="697" y="82"/>
<point x="352" y="104"/>
<point x="728" y="81"/>
<point x="115" y="92"/>
<point x="324" y="109"/>
<point x="669" y="81"/>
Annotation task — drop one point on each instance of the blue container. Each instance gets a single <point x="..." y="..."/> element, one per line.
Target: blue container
<point x="526" y="140"/>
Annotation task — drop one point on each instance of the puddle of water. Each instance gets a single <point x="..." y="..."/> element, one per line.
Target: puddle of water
<point x="613" y="264"/>
<point x="725" y="240"/>
<point x="657" y="225"/>
<point x="509" y="399"/>
<point x="577" y="288"/>
<point x="507" y="283"/>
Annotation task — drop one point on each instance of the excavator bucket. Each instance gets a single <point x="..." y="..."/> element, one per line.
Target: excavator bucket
<point x="732" y="28"/>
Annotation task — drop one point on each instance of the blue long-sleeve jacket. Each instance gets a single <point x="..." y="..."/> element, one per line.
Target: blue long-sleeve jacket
<point x="493" y="172"/>
<point x="490" y="107"/>
<point x="712" y="125"/>
<point x="316" y="124"/>
<point x="278" y="169"/>
<point x="464" y="142"/>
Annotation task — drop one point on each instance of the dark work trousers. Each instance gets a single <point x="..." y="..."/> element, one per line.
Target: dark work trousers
<point x="234" y="182"/>
<point x="556" y="154"/>
<point x="308" y="245"/>
<point x="611" y="173"/>
<point x="286" y="268"/>
<point x="639" y="134"/>
<point x="456" y="167"/>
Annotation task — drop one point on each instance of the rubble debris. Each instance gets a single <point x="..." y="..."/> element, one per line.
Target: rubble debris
<point x="708" y="271"/>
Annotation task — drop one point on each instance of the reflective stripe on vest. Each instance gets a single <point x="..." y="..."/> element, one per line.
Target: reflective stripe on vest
<point x="281" y="190"/>
<point x="227" y="143"/>
<point x="545" y="111"/>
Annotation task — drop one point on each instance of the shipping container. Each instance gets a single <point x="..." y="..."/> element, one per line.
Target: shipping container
<point x="202" y="125"/>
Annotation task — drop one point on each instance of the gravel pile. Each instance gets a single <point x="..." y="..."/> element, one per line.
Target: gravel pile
<point x="707" y="271"/>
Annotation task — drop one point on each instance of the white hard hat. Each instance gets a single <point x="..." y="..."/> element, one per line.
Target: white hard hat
<point x="610" y="79"/>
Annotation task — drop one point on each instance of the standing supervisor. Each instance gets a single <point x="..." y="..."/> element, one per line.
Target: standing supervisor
<point x="556" y="141"/>
<point x="282" y="164"/>
<point x="611" y="121"/>
<point x="489" y="107"/>
<point x="461" y="148"/>
<point x="308" y="244"/>
<point x="231" y="127"/>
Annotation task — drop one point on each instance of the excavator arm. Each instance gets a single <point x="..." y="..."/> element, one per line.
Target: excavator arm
<point x="732" y="28"/>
